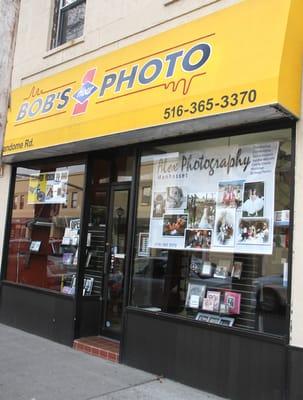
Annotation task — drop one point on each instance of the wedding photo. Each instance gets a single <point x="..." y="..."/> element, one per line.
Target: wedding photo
<point x="224" y="227"/>
<point x="198" y="238"/>
<point x="253" y="202"/>
<point x="201" y="209"/>
<point x="253" y="231"/>
<point x="230" y="194"/>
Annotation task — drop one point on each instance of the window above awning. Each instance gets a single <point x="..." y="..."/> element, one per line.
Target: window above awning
<point x="239" y="65"/>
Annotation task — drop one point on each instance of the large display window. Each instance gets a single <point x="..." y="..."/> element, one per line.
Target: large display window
<point x="45" y="225"/>
<point x="212" y="232"/>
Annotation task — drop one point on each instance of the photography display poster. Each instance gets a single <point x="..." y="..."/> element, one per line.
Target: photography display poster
<point x="218" y="199"/>
<point x="48" y="187"/>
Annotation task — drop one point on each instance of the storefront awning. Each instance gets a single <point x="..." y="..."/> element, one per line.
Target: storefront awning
<point x="239" y="65"/>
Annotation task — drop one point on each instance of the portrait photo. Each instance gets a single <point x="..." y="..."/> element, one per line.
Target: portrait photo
<point x="253" y="202"/>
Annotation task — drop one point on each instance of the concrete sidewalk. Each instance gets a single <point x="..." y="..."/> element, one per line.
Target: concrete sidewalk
<point x="35" y="368"/>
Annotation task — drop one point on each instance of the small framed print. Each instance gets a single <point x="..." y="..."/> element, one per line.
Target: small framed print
<point x="237" y="270"/>
<point x="225" y="321"/>
<point x="35" y="246"/>
<point x="207" y="268"/>
<point x="195" y="295"/>
<point x="143" y="249"/>
<point x="223" y="269"/>
<point x="202" y="317"/>
<point x="146" y="195"/>
<point x="213" y="319"/>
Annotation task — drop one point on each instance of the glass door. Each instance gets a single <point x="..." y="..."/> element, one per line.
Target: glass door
<point x="115" y="265"/>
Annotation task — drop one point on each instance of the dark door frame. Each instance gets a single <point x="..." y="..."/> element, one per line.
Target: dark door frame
<point x="113" y="187"/>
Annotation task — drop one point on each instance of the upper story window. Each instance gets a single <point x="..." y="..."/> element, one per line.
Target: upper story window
<point x="68" y="22"/>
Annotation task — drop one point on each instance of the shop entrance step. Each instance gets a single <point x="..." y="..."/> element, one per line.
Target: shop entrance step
<point x="99" y="346"/>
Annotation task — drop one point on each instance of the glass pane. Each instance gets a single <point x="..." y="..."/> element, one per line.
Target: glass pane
<point x="117" y="260"/>
<point x="95" y="245"/>
<point x="101" y="172"/>
<point x="43" y="246"/>
<point x="124" y="168"/>
<point x="212" y="239"/>
<point x="67" y="2"/>
<point x="72" y="22"/>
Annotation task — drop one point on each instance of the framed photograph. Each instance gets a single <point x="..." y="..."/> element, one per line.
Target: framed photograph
<point x="208" y="304"/>
<point x="223" y="269"/>
<point x="146" y="193"/>
<point x="214" y="295"/>
<point x="195" y="295"/>
<point x="66" y="240"/>
<point x="232" y="301"/>
<point x="236" y="270"/>
<point x="88" y="286"/>
<point x="67" y="258"/>
<point x="202" y="317"/>
<point x="207" y="268"/>
<point x="143" y="249"/>
<point x="226" y="321"/>
<point x="213" y="319"/>
<point x="35" y="246"/>
<point x="74" y="224"/>
<point x="88" y="259"/>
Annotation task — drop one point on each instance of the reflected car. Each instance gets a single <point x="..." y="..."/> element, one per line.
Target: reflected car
<point x="271" y="293"/>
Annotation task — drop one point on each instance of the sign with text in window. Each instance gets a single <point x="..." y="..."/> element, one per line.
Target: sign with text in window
<point x="48" y="187"/>
<point x="217" y="199"/>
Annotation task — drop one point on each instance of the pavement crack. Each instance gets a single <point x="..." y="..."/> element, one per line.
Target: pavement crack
<point x="124" y="388"/>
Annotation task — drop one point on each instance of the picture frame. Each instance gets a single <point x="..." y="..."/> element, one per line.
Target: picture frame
<point x="195" y="295"/>
<point x="87" y="286"/>
<point x="67" y="258"/>
<point x="202" y="317"/>
<point x="237" y="269"/>
<point x="88" y="259"/>
<point x="223" y="269"/>
<point x="35" y="246"/>
<point x="226" y="321"/>
<point x="233" y="302"/>
<point x="215" y="319"/>
<point x="143" y="249"/>
<point x="207" y="268"/>
<point x="146" y="193"/>
<point x="214" y="295"/>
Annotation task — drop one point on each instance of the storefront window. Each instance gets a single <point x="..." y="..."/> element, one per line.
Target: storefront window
<point x="212" y="233"/>
<point x="44" y="237"/>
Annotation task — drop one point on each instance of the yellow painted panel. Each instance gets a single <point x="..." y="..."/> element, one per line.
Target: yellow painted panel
<point x="231" y="60"/>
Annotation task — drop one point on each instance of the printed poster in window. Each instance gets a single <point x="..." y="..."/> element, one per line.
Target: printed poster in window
<point x="216" y="199"/>
<point x="48" y="187"/>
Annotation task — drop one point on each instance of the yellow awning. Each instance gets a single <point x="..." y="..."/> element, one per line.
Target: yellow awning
<point x="246" y="57"/>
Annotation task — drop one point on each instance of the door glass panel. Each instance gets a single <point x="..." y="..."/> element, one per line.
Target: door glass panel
<point x="95" y="245"/>
<point x="116" y="264"/>
<point x="124" y="168"/>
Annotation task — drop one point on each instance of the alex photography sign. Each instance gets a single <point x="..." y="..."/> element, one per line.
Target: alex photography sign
<point x="217" y="199"/>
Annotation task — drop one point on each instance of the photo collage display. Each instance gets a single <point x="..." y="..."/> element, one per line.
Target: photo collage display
<point x="235" y="214"/>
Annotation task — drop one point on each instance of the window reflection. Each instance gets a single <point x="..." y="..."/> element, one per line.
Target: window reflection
<point x="44" y="237"/>
<point x="231" y="288"/>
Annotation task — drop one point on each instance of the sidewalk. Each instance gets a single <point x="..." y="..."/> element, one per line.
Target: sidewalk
<point x="33" y="368"/>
